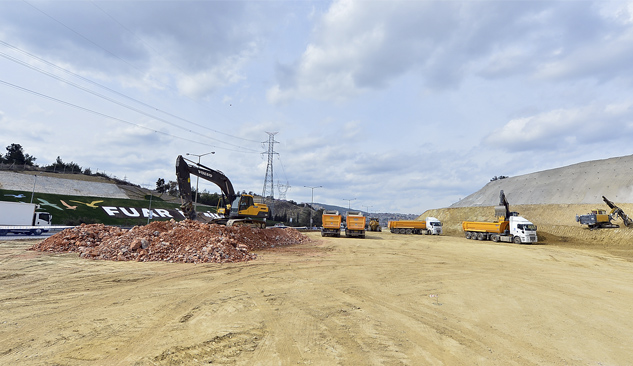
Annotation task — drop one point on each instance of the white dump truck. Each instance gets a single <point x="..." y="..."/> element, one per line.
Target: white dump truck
<point x="21" y="218"/>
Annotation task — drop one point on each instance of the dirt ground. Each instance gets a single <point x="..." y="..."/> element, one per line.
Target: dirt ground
<point x="384" y="300"/>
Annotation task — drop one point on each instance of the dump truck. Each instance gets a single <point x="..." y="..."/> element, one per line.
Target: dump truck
<point x="430" y="226"/>
<point x="355" y="224"/>
<point x="331" y="221"/>
<point x="21" y="218"/>
<point x="509" y="227"/>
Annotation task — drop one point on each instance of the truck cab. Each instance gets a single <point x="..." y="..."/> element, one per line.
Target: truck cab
<point x="433" y="226"/>
<point x="523" y="230"/>
<point x="42" y="219"/>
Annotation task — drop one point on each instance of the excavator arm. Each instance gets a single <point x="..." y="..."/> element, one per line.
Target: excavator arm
<point x="503" y="209"/>
<point x="617" y="211"/>
<point x="183" y="174"/>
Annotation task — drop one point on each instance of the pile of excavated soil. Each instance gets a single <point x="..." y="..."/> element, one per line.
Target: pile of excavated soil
<point x="185" y="241"/>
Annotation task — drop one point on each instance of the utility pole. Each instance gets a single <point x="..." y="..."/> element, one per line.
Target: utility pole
<point x="268" y="180"/>
<point x="195" y="204"/>
<point x="312" y="204"/>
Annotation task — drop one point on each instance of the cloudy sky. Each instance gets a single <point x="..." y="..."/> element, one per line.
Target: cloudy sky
<point x="390" y="106"/>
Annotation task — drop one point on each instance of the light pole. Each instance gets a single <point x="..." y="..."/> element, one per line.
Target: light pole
<point x="349" y="202"/>
<point x="195" y="204"/>
<point x="33" y="193"/>
<point x="312" y="204"/>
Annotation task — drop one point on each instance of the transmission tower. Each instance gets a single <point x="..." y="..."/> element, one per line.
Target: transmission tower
<point x="269" y="188"/>
<point x="283" y="189"/>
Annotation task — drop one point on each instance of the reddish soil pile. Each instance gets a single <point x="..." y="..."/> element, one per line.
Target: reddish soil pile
<point x="185" y="241"/>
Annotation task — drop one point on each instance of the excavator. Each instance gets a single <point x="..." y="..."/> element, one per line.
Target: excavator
<point x="600" y="219"/>
<point x="233" y="209"/>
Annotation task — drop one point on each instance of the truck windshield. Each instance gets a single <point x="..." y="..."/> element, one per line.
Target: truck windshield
<point x="530" y="227"/>
<point x="435" y="223"/>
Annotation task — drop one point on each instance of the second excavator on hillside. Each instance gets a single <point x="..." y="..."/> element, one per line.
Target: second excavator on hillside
<point x="599" y="218"/>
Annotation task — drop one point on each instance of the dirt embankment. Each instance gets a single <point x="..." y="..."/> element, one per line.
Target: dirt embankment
<point x="556" y="225"/>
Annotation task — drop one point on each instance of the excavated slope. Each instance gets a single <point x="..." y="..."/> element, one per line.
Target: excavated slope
<point x="574" y="184"/>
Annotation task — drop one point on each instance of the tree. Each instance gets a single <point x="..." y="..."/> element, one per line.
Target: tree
<point x="173" y="188"/>
<point x="15" y="155"/>
<point x="161" y="186"/>
<point x="60" y="166"/>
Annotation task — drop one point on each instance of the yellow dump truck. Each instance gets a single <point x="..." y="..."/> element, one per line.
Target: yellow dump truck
<point x="509" y="227"/>
<point x="355" y="225"/>
<point x="331" y="223"/>
<point x="430" y="226"/>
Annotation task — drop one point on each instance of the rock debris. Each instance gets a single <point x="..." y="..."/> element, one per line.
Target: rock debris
<point x="170" y="241"/>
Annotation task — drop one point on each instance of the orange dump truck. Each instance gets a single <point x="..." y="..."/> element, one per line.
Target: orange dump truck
<point x="516" y="229"/>
<point x="355" y="224"/>
<point x="331" y="223"/>
<point x="431" y="226"/>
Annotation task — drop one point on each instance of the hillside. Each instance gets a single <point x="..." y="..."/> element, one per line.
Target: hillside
<point x="583" y="183"/>
<point x="551" y="199"/>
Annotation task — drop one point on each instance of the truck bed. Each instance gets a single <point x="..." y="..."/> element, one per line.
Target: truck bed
<point x="407" y="224"/>
<point x="485" y="227"/>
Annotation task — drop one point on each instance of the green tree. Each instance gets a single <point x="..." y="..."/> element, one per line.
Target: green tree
<point x="161" y="186"/>
<point x="60" y="166"/>
<point x="15" y="155"/>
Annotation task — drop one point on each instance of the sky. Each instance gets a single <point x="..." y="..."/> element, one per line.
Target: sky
<point x="383" y="106"/>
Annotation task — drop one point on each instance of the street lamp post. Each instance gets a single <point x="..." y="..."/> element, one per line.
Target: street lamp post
<point x="33" y="193"/>
<point x="349" y="202"/>
<point x="312" y="204"/>
<point x="195" y="204"/>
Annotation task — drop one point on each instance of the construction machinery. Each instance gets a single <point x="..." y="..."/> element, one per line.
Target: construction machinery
<point x="331" y="223"/>
<point x="430" y="226"/>
<point x="355" y="224"/>
<point x="233" y="209"/>
<point x="509" y="227"/>
<point x="599" y="218"/>
<point x="374" y="224"/>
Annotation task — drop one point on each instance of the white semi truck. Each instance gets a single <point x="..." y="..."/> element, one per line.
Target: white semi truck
<point x="21" y="218"/>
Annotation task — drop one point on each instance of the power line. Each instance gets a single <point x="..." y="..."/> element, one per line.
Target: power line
<point x="113" y="100"/>
<point x="99" y="113"/>
<point x="121" y="59"/>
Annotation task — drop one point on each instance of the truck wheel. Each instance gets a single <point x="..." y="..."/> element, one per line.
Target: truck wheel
<point x="408" y="231"/>
<point x="517" y="240"/>
<point x="480" y="236"/>
<point x="495" y="238"/>
<point x="38" y="232"/>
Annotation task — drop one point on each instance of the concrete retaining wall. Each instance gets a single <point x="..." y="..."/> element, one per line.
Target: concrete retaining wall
<point x="44" y="184"/>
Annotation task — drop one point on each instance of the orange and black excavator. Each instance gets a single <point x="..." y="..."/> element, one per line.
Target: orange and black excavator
<point x="233" y="209"/>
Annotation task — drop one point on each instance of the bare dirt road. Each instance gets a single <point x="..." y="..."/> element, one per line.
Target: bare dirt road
<point x="336" y="301"/>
